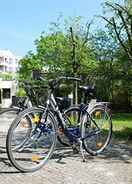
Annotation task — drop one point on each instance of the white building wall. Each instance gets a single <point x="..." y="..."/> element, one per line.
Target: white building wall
<point x="5" y="99"/>
<point x="8" y="61"/>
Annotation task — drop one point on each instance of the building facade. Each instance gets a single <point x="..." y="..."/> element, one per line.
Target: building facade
<point x="8" y="61"/>
<point x="8" y="64"/>
<point x="7" y="91"/>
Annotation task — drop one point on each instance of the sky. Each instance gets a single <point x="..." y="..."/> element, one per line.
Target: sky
<point x="22" y="21"/>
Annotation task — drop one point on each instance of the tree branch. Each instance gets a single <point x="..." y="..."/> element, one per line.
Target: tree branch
<point x="73" y="51"/>
<point x="122" y="8"/>
<point x="131" y="24"/>
<point x="120" y="40"/>
<point x="107" y="20"/>
<point x="126" y="27"/>
<point x="87" y="34"/>
<point x="125" y="17"/>
<point x="121" y="29"/>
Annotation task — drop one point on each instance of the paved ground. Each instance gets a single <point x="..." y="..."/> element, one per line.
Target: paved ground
<point x="114" y="166"/>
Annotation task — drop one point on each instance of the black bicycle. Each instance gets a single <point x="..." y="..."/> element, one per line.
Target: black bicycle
<point x="78" y="124"/>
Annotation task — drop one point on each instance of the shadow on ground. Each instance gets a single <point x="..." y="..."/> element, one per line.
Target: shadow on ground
<point x="117" y="151"/>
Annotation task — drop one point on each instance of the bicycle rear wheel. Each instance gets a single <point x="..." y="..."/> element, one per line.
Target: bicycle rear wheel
<point x="72" y="118"/>
<point x="30" y="154"/>
<point x="96" y="130"/>
<point x="6" y="118"/>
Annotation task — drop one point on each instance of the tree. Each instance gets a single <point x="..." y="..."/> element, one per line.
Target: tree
<point x="121" y="23"/>
<point x="27" y="64"/>
<point x="54" y="52"/>
<point x="59" y="52"/>
<point x="105" y="48"/>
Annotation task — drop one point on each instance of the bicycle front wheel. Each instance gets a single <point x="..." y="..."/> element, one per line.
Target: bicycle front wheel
<point x="96" y="130"/>
<point x="30" y="154"/>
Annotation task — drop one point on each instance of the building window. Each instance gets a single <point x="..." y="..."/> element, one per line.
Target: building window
<point x="6" y="93"/>
<point x="1" y="58"/>
<point x="10" y="61"/>
<point x="1" y="68"/>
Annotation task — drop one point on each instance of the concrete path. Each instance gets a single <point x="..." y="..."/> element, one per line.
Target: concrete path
<point x="114" y="166"/>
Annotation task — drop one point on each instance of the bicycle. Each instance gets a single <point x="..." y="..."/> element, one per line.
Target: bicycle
<point x="95" y="109"/>
<point x="32" y="154"/>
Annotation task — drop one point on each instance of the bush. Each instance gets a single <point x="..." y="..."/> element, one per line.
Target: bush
<point x="20" y="92"/>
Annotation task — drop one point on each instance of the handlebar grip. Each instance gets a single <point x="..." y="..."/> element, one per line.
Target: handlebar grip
<point x="42" y="79"/>
<point x="69" y="78"/>
<point x="74" y="78"/>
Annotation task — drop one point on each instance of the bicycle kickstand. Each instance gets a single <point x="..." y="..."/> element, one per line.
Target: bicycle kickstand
<point x="82" y="150"/>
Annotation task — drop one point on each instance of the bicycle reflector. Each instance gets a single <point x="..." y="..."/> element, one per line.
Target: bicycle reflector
<point x="36" y="119"/>
<point x="24" y="123"/>
<point x="35" y="158"/>
<point x="97" y="114"/>
<point x="99" y="144"/>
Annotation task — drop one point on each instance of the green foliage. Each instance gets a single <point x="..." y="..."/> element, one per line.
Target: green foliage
<point x="27" y="64"/>
<point x="99" y="57"/>
<point x="112" y="47"/>
<point x="54" y="53"/>
<point x="20" y="92"/>
<point x="129" y="4"/>
<point x="6" y="76"/>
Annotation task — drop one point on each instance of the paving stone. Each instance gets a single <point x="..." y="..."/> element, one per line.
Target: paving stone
<point x="113" y="166"/>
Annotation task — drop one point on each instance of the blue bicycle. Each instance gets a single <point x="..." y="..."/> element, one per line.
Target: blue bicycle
<point x="84" y="128"/>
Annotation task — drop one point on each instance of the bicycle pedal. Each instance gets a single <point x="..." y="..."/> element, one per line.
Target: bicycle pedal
<point x="60" y="157"/>
<point x="75" y="150"/>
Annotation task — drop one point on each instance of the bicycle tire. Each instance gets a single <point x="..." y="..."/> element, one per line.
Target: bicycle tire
<point x="29" y="158"/>
<point x="69" y="123"/>
<point x="17" y="110"/>
<point x="89" y="143"/>
<point x="6" y="117"/>
<point x="8" y="110"/>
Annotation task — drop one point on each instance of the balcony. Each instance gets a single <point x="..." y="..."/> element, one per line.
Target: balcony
<point x="3" y="63"/>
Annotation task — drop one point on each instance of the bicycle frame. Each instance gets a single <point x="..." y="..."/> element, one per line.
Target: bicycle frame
<point x="51" y="105"/>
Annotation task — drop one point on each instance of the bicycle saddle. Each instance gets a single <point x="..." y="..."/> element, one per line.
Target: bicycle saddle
<point x="87" y="89"/>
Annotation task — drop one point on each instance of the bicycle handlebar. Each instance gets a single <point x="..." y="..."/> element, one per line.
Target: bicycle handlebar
<point x="69" y="78"/>
<point x="54" y="82"/>
<point x="36" y="74"/>
<point x="62" y="78"/>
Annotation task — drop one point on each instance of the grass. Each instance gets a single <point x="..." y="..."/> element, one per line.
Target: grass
<point x="122" y="125"/>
